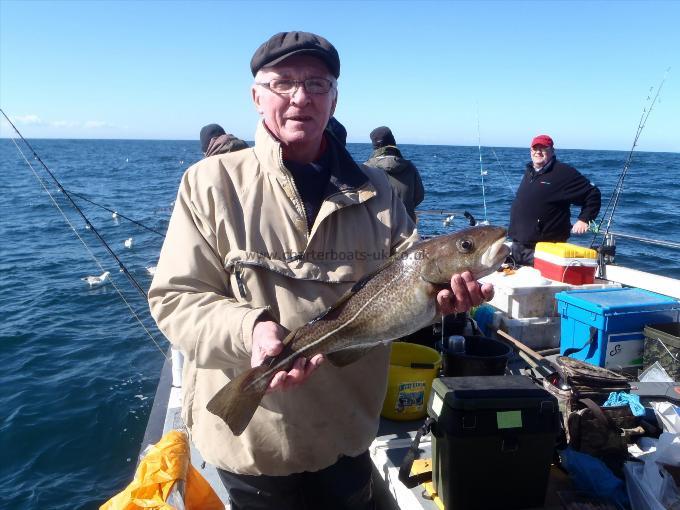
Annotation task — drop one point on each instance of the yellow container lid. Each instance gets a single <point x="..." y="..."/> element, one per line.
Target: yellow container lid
<point x="566" y="250"/>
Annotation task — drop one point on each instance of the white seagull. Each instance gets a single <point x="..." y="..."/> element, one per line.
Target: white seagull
<point x="128" y="242"/>
<point x="96" y="280"/>
<point x="114" y="215"/>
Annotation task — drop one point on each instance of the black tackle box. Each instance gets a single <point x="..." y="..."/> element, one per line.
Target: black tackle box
<point x="493" y="439"/>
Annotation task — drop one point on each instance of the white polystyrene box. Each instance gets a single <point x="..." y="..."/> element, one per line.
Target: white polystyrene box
<point x="525" y="293"/>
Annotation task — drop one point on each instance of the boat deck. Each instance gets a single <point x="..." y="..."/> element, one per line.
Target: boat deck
<point x="166" y="416"/>
<point x="387" y="452"/>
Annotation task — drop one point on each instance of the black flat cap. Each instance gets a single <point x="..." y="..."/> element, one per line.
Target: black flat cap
<point x="382" y="136"/>
<point x="286" y="44"/>
<point x="208" y="133"/>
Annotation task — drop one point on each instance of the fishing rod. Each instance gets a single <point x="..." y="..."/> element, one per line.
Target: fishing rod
<point x="88" y="225"/>
<point x="481" y="168"/>
<point x="618" y="188"/>
<point x="116" y="213"/>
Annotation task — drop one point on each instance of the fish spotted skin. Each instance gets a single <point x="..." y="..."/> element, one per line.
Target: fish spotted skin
<point x="395" y="301"/>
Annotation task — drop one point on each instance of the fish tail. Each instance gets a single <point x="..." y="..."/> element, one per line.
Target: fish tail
<point x="237" y="401"/>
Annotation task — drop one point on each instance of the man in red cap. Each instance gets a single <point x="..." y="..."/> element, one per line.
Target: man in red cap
<point x="244" y="261"/>
<point x="541" y="210"/>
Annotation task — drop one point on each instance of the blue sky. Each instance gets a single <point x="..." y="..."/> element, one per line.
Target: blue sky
<point x="579" y="71"/>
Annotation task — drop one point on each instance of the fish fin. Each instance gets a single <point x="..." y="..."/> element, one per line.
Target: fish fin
<point x="238" y="400"/>
<point x="348" y="356"/>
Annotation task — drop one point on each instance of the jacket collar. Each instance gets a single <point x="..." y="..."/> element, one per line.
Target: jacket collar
<point x="346" y="176"/>
<point x="387" y="150"/>
<point x="348" y="184"/>
<point x="547" y="168"/>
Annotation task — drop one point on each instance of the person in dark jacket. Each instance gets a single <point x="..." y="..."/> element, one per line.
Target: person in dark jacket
<point x="402" y="173"/>
<point x="541" y="209"/>
<point x="214" y="140"/>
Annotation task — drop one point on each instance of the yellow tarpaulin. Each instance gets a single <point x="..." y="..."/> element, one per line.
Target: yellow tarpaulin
<point x="167" y="462"/>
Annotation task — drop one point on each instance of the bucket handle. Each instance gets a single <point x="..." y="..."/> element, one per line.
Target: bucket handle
<point x="406" y="464"/>
<point x="675" y="358"/>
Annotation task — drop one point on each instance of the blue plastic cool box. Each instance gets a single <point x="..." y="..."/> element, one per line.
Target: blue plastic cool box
<point x="609" y="323"/>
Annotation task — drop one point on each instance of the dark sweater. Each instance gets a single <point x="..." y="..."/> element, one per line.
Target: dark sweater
<point x="541" y="209"/>
<point x="311" y="181"/>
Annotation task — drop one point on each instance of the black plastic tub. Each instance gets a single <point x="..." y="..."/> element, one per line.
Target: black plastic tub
<point x="482" y="356"/>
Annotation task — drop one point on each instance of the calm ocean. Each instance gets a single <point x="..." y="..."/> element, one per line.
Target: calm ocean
<point x="81" y="371"/>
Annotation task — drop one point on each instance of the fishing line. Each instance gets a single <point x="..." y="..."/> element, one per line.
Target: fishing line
<point x="89" y="227"/>
<point x="507" y="181"/>
<point x="116" y="213"/>
<point x="618" y="188"/>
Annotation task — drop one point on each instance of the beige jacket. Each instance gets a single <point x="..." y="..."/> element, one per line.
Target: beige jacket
<point x="238" y="245"/>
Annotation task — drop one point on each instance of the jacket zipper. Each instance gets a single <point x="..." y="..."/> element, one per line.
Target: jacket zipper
<point x="239" y="279"/>
<point x="291" y="183"/>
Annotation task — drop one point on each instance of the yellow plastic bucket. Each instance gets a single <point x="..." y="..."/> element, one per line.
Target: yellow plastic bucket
<point x="408" y="387"/>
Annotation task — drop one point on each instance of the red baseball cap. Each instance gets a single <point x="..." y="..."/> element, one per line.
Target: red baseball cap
<point x="542" y="140"/>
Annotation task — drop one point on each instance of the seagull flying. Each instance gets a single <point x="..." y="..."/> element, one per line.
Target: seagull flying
<point x="96" y="280"/>
<point x="128" y="242"/>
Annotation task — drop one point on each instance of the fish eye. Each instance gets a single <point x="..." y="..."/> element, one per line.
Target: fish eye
<point x="466" y="245"/>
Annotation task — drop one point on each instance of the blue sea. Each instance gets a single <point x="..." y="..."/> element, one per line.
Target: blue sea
<point x="81" y="370"/>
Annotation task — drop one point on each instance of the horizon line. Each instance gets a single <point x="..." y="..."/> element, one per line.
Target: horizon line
<point x="251" y="142"/>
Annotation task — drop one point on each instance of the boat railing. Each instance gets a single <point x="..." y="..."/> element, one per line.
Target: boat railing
<point x="608" y="270"/>
<point x="658" y="242"/>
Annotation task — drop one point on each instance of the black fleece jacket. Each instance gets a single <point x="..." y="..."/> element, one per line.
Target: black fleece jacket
<point x="541" y="209"/>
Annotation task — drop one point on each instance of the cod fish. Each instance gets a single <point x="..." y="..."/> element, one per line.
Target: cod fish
<point x="395" y="301"/>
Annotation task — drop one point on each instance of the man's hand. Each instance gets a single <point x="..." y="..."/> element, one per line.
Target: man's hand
<point x="267" y="341"/>
<point x="580" y="227"/>
<point x="465" y="293"/>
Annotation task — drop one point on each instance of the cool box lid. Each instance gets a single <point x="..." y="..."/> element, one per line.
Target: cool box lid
<point x="565" y="250"/>
<point x="624" y="300"/>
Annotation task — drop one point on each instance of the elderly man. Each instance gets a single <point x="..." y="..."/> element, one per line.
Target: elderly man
<point x="240" y="266"/>
<point x="541" y="209"/>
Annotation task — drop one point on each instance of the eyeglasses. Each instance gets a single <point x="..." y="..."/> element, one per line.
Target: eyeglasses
<point x="289" y="87"/>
